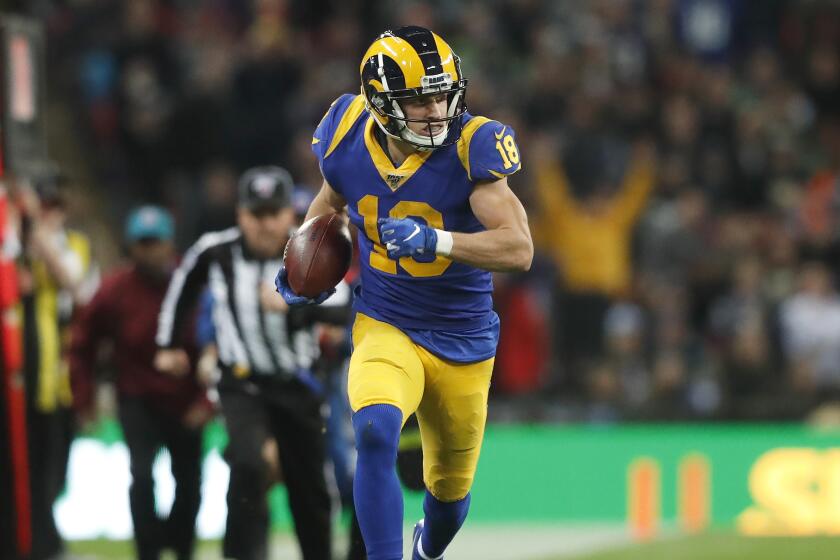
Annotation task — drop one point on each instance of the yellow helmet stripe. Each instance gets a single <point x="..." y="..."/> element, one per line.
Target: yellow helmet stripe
<point x="447" y="57"/>
<point x="408" y="60"/>
<point x="403" y="54"/>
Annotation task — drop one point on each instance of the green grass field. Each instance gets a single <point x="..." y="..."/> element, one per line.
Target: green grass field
<point x="119" y="550"/>
<point x="712" y="546"/>
<point x="723" y="546"/>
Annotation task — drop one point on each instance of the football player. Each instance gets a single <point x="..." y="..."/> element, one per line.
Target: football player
<point x="426" y="184"/>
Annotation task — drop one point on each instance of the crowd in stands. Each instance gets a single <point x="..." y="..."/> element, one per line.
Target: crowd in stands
<point x="681" y="171"/>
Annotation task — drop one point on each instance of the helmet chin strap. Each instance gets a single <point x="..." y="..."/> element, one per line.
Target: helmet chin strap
<point x="423" y="141"/>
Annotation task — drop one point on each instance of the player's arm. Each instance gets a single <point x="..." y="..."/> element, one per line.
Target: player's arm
<point x="325" y="202"/>
<point x="505" y="246"/>
<point x="490" y="155"/>
<point x="185" y="287"/>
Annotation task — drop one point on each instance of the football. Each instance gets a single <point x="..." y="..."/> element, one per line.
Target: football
<point x="318" y="255"/>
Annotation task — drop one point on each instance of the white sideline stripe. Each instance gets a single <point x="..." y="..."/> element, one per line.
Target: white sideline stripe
<point x="176" y="285"/>
<point x="487" y="542"/>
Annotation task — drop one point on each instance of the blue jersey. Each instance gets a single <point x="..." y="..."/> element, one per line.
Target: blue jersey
<point x="442" y="305"/>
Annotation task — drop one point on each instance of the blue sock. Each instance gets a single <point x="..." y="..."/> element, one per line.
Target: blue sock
<point x="442" y="521"/>
<point x="376" y="489"/>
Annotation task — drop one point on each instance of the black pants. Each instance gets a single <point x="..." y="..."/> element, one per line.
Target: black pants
<point x="146" y="431"/>
<point x="49" y="435"/>
<point x="290" y="413"/>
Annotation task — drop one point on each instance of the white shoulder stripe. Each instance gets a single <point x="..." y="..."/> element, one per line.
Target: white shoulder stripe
<point x="213" y="238"/>
<point x="166" y="319"/>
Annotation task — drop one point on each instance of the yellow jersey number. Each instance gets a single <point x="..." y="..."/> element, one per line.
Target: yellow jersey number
<point x="368" y="207"/>
<point x="507" y="149"/>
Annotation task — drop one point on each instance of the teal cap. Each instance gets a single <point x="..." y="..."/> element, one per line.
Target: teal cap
<point x="149" y="222"/>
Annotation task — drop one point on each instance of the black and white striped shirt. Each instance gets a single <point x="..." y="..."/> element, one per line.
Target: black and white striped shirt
<point x="249" y="338"/>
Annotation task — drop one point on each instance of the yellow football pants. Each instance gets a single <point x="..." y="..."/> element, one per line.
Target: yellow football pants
<point x="449" y="398"/>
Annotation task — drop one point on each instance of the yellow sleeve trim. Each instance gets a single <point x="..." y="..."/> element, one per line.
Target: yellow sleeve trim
<point x="348" y="119"/>
<point x="464" y="141"/>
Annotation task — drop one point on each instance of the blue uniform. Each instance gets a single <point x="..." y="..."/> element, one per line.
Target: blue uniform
<point x="443" y="306"/>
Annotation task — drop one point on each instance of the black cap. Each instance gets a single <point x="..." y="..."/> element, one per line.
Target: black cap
<point x="49" y="182"/>
<point x="265" y="188"/>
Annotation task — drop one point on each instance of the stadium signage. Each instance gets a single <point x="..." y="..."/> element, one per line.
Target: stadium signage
<point x="796" y="492"/>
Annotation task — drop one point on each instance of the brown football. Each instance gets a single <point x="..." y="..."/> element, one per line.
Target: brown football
<point x="318" y="255"/>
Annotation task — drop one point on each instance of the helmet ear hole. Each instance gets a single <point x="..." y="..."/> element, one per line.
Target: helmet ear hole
<point x="377" y="102"/>
<point x="377" y="99"/>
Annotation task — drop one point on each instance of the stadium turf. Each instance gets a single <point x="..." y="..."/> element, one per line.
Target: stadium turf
<point x="723" y="546"/>
<point x="713" y="546"/>
<point x="124" y="550"/>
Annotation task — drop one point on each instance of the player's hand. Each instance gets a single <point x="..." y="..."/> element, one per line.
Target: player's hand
<point x="406" y="238"/>
<point x="281" y="282"/>
<point x="173" y="361"/>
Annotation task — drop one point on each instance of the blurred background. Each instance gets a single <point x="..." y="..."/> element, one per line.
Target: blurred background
<point x="669" y="369"/>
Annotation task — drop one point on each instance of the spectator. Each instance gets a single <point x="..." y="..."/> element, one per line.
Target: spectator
<point x="669" y="397"/>
<point x="155" y="410"/>
<point x="626" y="353"/>
<point x="589" y="237"/>
<point x="604" y="393"/>
<point x="55" y="264"/>
<point x="740" y="327"/>
<point x="810" y="325"/>
<point x="673" y="238"/>
<point x="820" y="209"/>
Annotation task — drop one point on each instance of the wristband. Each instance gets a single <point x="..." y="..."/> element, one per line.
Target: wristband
<point x="444" y="243"/>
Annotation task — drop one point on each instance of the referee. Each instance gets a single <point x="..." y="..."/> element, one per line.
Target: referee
<point x="265" y="352"/>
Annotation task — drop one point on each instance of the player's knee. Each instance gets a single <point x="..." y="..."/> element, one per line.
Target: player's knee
<point x="451" y="491"/>
<point x="377" y="429"/>
<point x="449" y="487"/>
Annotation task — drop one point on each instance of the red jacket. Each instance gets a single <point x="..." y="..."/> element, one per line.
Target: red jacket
<point x="124" y="311"/>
